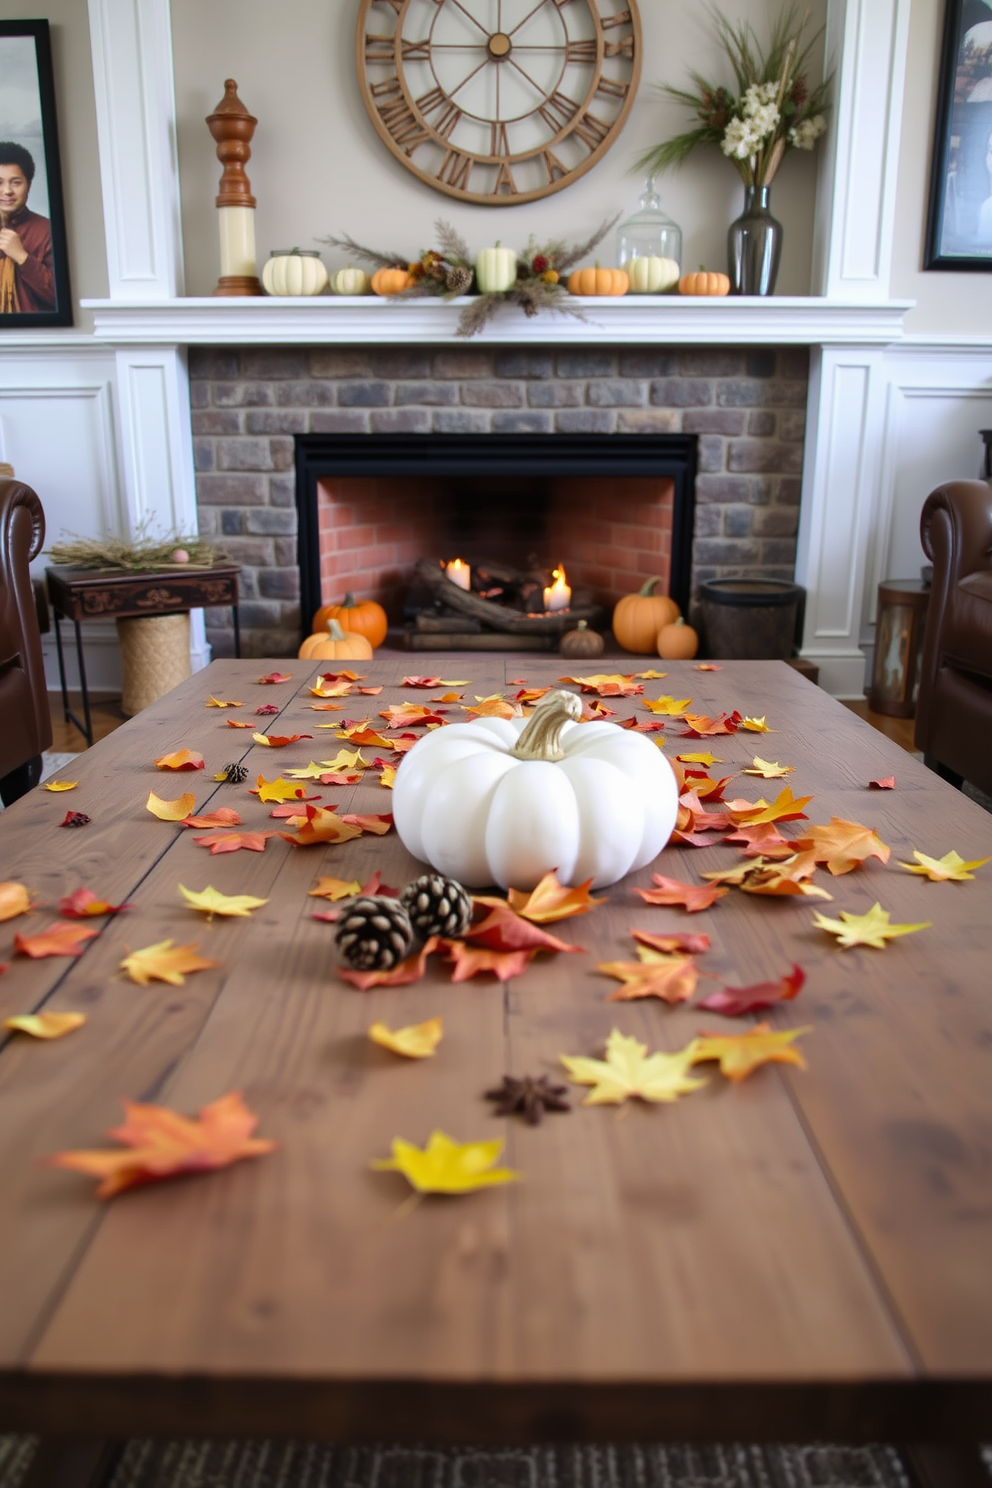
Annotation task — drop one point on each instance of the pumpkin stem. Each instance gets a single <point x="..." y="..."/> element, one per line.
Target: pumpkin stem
<point x="647" y="587"/>
<point x="348" y="603"/>
<point x="541" y="739"/>
<point x="335" y="632"/>
<point x="582" y="625"/>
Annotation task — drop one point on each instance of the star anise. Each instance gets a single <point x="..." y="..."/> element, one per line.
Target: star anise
<point x="528" y="1097"/>
<point x="76" y="819"/>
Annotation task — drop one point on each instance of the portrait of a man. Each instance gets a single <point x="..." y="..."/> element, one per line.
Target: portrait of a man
<point x="960" y="228"/>
<point x="27" y="280"/>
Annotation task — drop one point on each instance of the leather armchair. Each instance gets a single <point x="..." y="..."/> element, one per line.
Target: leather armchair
<point x="954" y="709"/>
<point x="27" y="724"/>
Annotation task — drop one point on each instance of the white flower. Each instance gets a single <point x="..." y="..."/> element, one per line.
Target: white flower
<point x="764" y="120"/>
<point x="739" y="139"/>
<point x="805" y="134"/>
<point x="759" y="96"/>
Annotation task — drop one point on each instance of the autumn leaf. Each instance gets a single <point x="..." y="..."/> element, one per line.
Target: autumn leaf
<point x="84" y="903"/>
<point x="387" y="778"/>
<point x="741" y="1053"/>
<point x="75" y="819"/>
<point x="551" y="900"/>
<point x="710" y="790"/>
<point x="346" y="676"/>
<point x="415" y="1041"/>
<point x="611" y="684"/>
<point x="318" y="824"/>
<point x="329" y="915"/>
<point x="504" y="930"/>
<point x="403" y="743"/>
<point x="790" y="876"/>
<point x="766" y="769"/>
<point x="349" y="759"/>
<point x="293" y="809"/>
<point x="408" y="971"/>
<point x="336" y="888"/>
<point x="61" y="785"/>
<point x="60" y="939"/>
<point x="182" y="759"/>
<point x="369" y="691"/>
<point x="871" y="929"/>
<point x="161" y="1144"/>
<point x="312" y="771"/>
<point x="843" y="845"/>
<point x="701" y="726"/>
<point x="212" y="901"/>
<point x="378" y="823"/>
<point x="222" y="703"/>
<point x="669" y="706"/>
<point x="651" y="675"/>
<point x="266" y="710"/>
<point x="691" y="897"/>
<point x="449" y="697"/>
<point x="240" y="723"/>
<point x="707" y="760"/>
<point x="530" y="694"/>
<point x="597" y="709"/>
<point x="732" y="1002"/>
<point x="445" y="1166"/>
<point x="470" y="961"/>
<point x="494" y="707"/>
<point x="375" y="885"/>
<point x="756" y="726"/>
<point x="278" y="790"/>
<point x="45" y="1025"/>
<point x="672" y="945"/>
<point x="785" y="807"/>
<point x="628" y="1071"/>
<point x="224" y="816"/>
<point x="949" y="869"/>
<point x="173" y="811"/>
<point x="275" y="677"/>
<point x="673" y="979"/>
<point x="164" y="962"/>
<point x="14" y="900"/>
<point x="888" y="782"/>
<point x="707" y="666"/>
<point x="435" y="682"/>
<point x="365" y="736"/>
<point x="341" y="689"/>
<point x="402" y="715"/>
<point x="279" y="741"/>
<point x="762" y="841"/>
<point x="228" y="842"/>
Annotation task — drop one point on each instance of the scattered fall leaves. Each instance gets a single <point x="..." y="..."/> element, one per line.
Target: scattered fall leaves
<point x="701" y="726"/>
<point x="690" y="897"/>
<point x="785" y="807"/>
<point x="173" y="811"/>
<point x="733" y="1002"/>
<point x="164" y="962"/>
<point x="843" y="845"/>
<point x="672" y="945"/>
<point x="873" y="928"/>
<point x="336" y="888"/>
<point x="83" y="903"/>
<point x="60" y="939"/>
<point x="670" y="707"/>
<point x="415" y="1041"/>
<point x="628" y="1070"/>
<point x="503" y="929"/>
<point x="228" y="842"/>
<point x="279" y="741"/>
<point x="551" y="900"/>
<point x="949" y="869"/>
<point x="671" y="979"/>
<point x="181" y="759"/>
<point x="45" y="1025"/>
<point x="446" y="1166"/>
<point x="278" y="790"/>
<point x="317" y="824"/>
<point x="741" y="1053"/>
<point x="471" y="961"/>
<point x="211" y="901"/>
<point x="224" y="816"/>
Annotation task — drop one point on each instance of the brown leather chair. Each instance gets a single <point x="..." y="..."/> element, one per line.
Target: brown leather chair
<point x="25" y="719"/>
<point x="954" y="710"/>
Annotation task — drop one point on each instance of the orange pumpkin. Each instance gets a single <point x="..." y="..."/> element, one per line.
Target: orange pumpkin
<point x="335" y="643"/>
<point x="359" y="616"/>
<point x="678" y="641"/>
<point x="638" y="618"/>
<point x="704" y="283"/>
<point x="391" y="281"/>
<point x="598" y="281"/>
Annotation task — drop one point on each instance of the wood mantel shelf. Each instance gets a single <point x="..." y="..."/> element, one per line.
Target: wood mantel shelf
<point x="631" y="320"/>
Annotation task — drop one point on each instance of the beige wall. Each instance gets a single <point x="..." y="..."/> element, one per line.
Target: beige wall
<point x="318" y="166"/>
<point x="947" y="304"/>
<point x="77" y="141"/>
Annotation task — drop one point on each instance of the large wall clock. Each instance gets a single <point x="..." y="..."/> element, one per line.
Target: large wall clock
<point x="498" y="101"/>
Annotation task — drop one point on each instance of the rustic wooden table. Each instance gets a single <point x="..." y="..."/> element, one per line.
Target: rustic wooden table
<point x="803" y="1255"/>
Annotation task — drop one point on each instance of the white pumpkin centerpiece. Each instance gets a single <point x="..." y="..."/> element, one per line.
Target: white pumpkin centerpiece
<point x="505" y="801"/>
<point x="295" y="271"/>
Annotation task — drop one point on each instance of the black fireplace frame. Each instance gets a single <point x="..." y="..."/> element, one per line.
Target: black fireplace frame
<point x="317" y="456"/>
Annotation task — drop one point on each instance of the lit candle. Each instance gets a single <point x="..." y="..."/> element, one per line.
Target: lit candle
<point x="558" y="596"/>
<point x="459" y="573"/>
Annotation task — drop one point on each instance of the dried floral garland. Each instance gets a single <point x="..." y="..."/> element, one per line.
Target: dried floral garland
<point x="446" y="272"/>
<point x="135" y="554"/>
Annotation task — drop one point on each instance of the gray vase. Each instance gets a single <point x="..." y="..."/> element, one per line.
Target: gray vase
<point x="754" y="245"/>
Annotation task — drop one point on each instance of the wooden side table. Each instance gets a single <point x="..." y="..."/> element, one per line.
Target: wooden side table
<point x="902" y="613"/>
<point x="78" y="594"/>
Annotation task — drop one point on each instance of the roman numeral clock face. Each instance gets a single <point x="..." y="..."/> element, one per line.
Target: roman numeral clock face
<point x="498" y="101"/>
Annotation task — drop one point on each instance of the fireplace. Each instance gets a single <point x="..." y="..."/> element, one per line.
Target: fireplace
<point x="615" y="509"/>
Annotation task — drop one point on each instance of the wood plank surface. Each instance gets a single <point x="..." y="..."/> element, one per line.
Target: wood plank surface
<point x="807" y="1250"/>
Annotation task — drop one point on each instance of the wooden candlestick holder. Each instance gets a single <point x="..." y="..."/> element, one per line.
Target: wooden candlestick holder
<point x="232" y="127"/>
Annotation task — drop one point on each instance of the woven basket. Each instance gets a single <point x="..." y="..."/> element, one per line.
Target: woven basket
<point x="154" y="658"/>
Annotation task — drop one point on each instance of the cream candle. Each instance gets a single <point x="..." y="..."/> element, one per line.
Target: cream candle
<point x="558" y="596"/>
<point x="459" y="573"/>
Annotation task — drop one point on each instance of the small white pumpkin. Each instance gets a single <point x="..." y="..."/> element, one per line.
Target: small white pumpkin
<point x="296" y="272"/>
<point x="651" y="275"/>
<point x="505" y="801"/>
<point x="496" y="270"/>
<point x="351" y="281"/>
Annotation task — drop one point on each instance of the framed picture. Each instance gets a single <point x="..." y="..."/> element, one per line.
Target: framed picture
<point x="34" y="266"/>
<point x="959" y="225"/>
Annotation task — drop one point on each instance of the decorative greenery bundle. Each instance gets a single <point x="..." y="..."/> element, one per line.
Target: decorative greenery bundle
<point x="774" y="110"/>
<point x="446" y="271"/>
<point x="134" y="554"/>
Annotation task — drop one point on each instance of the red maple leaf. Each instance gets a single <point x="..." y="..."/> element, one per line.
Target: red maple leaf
<point x="735" y="1001"/>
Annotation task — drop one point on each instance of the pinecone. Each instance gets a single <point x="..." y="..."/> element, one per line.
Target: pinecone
<point x="235" y="774"/>
<point x="458" y="280"/>
<point x="375" y="933"/>
<point x="437" y="906"/>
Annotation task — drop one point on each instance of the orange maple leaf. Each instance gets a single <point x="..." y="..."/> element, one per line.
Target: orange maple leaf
<point x="471" y="961"/>
<point x="682" y="945"/>
<point x="14" y="900"/>
<point x="227" y="842"/>
<point x="182" y="759"/>
<point x="279" y="741"/>
<point x="276" y="677"/>
<point x="378" y="823"/>
<point x="239" y="723"/>
<point x="362" y="736"/>
<point x="346" y="676"/>
<point x="762" y="876"/>
<point x="320" y="825"/>
<point x="701" y="726"/>
<point x="410" y="970"/>
<point x="82" y="904"/>
<point x="785" y="807"/>
<point x="224" y="816"/>
<point x="762" y="841"/>
<point x="223" y="703"/>
<point x="336" y="777"/>
<point x="164" y="962"/>
<point x="741" y="1053"/>
<point x="408" y="713"/>
<point x="672" y="981"/>
<point x="843" y="845"/>
<point x="342" y="689"/>
<point x="504" y="930"/>
<point x="60" y="939"/>
<point x="162" y="1144"/>
<point x="551" y="900"/>
<point x="327" y="707"/>
<point x="494" y="707"/>
<point x="691" y="897"/>
<point x="612" y="684"/>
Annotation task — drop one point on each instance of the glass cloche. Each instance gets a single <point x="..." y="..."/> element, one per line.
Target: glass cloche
<point x="649" y="233"/>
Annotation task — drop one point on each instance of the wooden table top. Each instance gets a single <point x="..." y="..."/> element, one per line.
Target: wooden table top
<point x="803" y="1254"/>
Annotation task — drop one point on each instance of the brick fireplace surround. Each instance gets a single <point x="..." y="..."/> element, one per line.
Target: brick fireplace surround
<point x="746" y="405"/>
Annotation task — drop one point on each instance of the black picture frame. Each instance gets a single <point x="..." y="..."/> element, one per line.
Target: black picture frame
<point x="28" y="121"/>
<point x="959" y="217"/>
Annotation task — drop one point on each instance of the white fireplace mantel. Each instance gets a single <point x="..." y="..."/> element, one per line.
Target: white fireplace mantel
<point x="633" y="320"/>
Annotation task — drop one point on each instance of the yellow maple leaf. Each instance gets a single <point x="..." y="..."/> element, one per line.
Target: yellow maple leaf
<point x="387" y="777"/>
<point x="14" y="900"/>
<point x="222" y="703"/>
<point x="672" y="979"/>
<point x="626" y="1072"/>
<point x="212" y="901"/>
<point x="164" y="962"/>
<point x="871" y="929"/>
<point x="650" y="676"/>
<point x="61" y="785"/>
<point x="446" y="1166"/>
<point x="45" y="1025"/>
<point x="343" y="689"/>
<point x="334" y="888"/>
<point x="767" y="769"/>
<point x="346" y="759"/>
<point x="170" y="810"/>
<point x="739" y="1054"/>
<point x="949" y="869"/>
<point x="785" y="807"/>
<point x="312" y="772"/>
<point x="756" y="725"/>
<point x="278" y="790"/>
<point x="495" y="706"/>
<point x="415" y="1041"/>
<point x="707" y="760"/>
<point x="671" y="707"/>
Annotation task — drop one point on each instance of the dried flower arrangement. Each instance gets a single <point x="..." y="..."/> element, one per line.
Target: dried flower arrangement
<point x="135" y="554"/>
<point x="775" y="108"/>
<point x="446" y="271"/>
